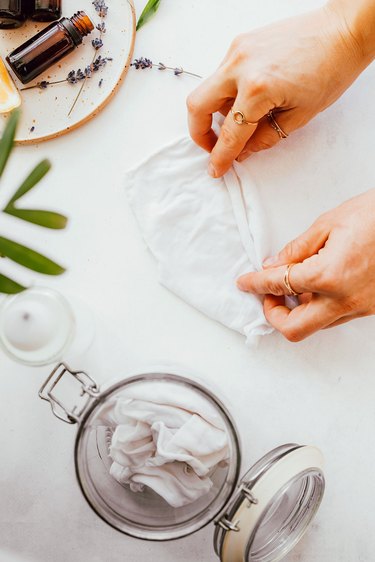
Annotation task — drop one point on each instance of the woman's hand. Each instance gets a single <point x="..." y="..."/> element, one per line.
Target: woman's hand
<point x="334" y="271"/>
<point x="296" y="67"/>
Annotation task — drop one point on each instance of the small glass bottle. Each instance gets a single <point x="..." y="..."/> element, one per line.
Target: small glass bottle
<point x="49" y="46"/>
<point x="12" y="13"/>
<point x="44" y="10"/>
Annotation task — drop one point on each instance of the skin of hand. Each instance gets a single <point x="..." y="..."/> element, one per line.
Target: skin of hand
<point x="334" y="271"/>
<point x="296" y="67"/>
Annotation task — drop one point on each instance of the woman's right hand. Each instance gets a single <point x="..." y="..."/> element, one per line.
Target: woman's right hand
<point x="333" y="272"/>
<point x="296" y="68"/>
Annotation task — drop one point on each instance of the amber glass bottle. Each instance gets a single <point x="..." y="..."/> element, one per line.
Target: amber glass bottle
<point x="44" y="10"/>
<point x="49" y="46"/>
<point x="12" y="13"/>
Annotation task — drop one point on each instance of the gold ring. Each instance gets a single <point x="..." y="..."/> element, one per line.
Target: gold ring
<point x="287" y="282"/>
<point x="274" y="124"/>
<point x="239" y="118"/>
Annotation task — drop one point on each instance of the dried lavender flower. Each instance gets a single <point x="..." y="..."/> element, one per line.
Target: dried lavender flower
<point x="100" y="82"/>
<point x="142" y="63"/>
<point x="162" y="66"/>
<point x="80" y="75"/>
<point x="71" y="78"/>
<point x="178" y="71"/>
<point x="101" y="27"/>
<point x="100" y="61"/>
<point x="97" y="43"/>
<point x="32" y="129"/>
<point x="43" y="85"/>
<point x="101" y="7"/>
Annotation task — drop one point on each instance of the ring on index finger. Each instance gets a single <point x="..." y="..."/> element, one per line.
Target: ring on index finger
<point x="239" y="118"/>
<point x="287" y="281"/>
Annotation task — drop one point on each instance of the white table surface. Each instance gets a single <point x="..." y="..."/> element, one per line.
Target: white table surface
<point x="320" y="391"/>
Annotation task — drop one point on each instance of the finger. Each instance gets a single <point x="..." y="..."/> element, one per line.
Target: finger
<point x="265" y="136"/>
<point x="205" y="100"/>
<point x="225" y="109"/>
<point x="303" y="278"/>
<point x="302" y="321"/>
<point x="345" y="319"/>
<point x="342" y="320"/>
<point x="304" y="298"/>
<point x="302" y="247"/>
<point x="233" y="136"/>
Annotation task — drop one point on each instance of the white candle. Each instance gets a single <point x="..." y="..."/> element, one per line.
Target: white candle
<point x="36" y="326"/>
<point x="29" y="325"/>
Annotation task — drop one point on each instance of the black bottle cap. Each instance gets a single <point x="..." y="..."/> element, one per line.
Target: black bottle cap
<point x="72" y="30"/>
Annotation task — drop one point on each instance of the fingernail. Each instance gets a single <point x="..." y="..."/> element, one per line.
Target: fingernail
<point x="243" y="155"/>
<point x="270" y="261"/>
<point x="241" y="284"/>
<point x="211" y="170"/>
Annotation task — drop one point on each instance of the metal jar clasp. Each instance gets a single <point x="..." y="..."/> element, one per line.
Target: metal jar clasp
<point x="88" y="387"/>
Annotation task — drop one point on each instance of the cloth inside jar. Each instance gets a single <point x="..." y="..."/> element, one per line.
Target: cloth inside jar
<point x="168" y="438"/>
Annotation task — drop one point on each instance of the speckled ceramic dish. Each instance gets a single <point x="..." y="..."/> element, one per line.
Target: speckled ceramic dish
<point x="45" y="112"/>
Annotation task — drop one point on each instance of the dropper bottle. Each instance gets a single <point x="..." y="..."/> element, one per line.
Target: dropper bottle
<point x="49" y="46"/>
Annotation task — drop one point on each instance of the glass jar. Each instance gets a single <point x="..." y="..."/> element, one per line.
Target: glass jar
<point x="258" y="518"/>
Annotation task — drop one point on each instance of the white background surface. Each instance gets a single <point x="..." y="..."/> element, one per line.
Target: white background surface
<point x="320" y="391"/>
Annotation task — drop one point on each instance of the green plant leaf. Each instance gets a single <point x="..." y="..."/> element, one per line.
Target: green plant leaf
<point x="28" y="257"/>
<point x="32" y="179"/>
<point x="48" y="219"/>
<point x="9" y="286"/>
<point x="148" y="11"/>
<point x="6" y="141"/>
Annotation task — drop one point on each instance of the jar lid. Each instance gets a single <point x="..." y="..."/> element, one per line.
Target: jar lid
<point x="274" y="505"/>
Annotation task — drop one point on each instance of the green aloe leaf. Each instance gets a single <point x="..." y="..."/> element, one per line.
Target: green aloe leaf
<point x="28" y="258"/>
<point x="149" y="10"/>
<point x="48" y="219"/>
<point x="6" y="141"/>
<point x="9" y="286"/>
<point x="32" y="179"/>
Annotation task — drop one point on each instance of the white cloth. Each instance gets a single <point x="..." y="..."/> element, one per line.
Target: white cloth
<point x="168" y="438"/>
<point x="203" y="232"/>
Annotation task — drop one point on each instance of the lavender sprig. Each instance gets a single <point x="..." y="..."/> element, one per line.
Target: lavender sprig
<point x="143" y="62"/>
<point x="74" y="76"/>
<point x="102" y="9"/>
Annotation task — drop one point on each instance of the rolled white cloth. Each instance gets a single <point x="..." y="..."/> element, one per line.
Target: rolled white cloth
<point x="168" y="438"/>
<point x="203" y="232"/>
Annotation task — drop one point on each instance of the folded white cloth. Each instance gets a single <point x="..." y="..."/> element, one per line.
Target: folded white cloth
<point x="167" y="439"/>
<point x="203" y="232"/>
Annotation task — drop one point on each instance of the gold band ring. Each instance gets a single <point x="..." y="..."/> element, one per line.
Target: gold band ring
<point x="239" y="118"/>
<point x="274" y="124"/>
<point x="287" y="281"/>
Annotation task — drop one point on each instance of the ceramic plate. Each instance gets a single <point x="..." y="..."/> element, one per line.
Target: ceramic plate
<point x="45" y="112"/>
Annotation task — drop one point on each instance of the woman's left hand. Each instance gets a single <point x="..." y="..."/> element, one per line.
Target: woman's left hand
<point x="296" y="67"/>
<point x="334" y="272"/>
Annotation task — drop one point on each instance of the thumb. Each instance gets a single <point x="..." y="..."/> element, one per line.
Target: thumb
<point x="302" y="247"/>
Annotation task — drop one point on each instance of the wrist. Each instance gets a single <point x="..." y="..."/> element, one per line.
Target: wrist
<point x="358" y="20"/>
